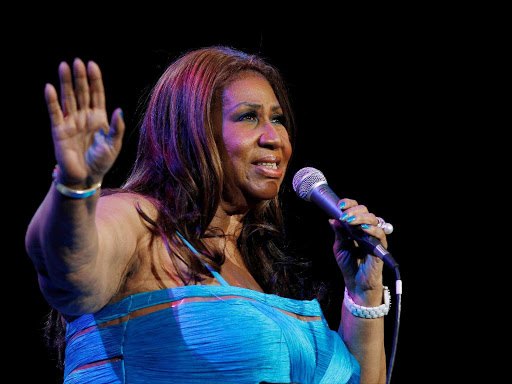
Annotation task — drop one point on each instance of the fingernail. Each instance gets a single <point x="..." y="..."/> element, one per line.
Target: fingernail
<point x="365" y="226"/>
<point x="351" y="219"/>
<point x="343" y="217"/>
<point x="121" y="114"/>
<point x="342" y="205"/>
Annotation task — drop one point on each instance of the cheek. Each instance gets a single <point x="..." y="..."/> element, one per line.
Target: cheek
<point x="287" y="148"/>
<point x="236" y="151"/>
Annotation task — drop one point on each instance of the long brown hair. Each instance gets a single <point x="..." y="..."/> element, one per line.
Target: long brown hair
<point x="179" y="166"/>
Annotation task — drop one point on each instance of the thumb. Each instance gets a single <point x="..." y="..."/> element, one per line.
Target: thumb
<point x="340" y="236"/>
<point x="117" y="126"/>
<point x="336" y="226"/>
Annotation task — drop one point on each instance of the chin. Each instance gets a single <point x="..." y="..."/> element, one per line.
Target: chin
<point x="267" y="193"/>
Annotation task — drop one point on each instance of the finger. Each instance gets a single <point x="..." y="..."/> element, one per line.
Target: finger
<point x="81" y="85"/>
<point x="339" y="231"/>
<point x="96" y="83"/>
<point x="346" y="203"/>
<point x="351" y="214"/>
<point x="361" y="217"/>
<point x="336" y="226"/>
<point x="67" y="94"/>
<point x="117" y="127"/>
<point x="52" y="102"/>
<point x="376" y="232"/>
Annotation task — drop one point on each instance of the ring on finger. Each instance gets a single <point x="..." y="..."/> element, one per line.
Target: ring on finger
<point x="386" y="227"/>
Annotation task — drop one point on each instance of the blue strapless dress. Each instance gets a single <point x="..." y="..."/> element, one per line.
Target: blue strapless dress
<point x="207" y="334"/>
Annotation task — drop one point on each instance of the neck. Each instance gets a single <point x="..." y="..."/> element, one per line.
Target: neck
<point x="229" y="221"/>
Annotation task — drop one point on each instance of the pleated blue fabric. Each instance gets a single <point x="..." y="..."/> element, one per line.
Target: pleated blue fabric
<point x="207" y="334"/>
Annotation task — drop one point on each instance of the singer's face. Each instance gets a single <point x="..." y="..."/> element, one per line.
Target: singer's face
<point x="253" y="142"/>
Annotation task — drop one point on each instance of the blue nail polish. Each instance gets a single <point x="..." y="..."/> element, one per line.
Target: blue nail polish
<point x="342" y="205"/>
<point x="344" y="216"/>
<point x="365" y="226"/>
<point x="351" y="219"/>
<point x="121" y="114"/>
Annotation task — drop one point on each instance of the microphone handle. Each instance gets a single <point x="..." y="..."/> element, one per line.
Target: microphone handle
<point x="371" y="245"/>
<point x="326" y="199"/>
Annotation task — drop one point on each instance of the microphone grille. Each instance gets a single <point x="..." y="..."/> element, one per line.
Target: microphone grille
<point x="305" y="180"/>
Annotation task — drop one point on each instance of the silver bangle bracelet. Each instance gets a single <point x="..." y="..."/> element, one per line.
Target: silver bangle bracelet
<point x="74" y="193"/>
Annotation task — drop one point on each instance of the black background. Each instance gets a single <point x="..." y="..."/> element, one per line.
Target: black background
<point x="376" y="105"/>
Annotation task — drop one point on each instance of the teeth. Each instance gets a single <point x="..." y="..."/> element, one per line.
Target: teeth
<point x="269" y="165"/>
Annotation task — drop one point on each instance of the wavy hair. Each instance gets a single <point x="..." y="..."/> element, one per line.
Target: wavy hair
<point x="178" y="167"/>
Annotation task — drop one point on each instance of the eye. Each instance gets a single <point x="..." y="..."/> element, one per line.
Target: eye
<point x="251" y="116"/>
<point x="278" y="119"/>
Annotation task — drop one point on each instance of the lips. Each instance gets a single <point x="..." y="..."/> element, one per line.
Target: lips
<point x="269" y="166"/>
<point x="269" y="159"/>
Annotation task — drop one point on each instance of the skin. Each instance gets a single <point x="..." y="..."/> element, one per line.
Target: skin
<point x="363" y="279"/>
<point x="83" y="248"/>
<point x="249" y="129"/>
<point x="252" y="130"/>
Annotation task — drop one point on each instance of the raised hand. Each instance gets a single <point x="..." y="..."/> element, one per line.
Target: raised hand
<point x="86" y="145"/>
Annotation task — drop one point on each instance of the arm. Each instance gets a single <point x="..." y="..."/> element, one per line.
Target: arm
<point x="72" y="242"/>
<point x="363" y="279"/>
<point x="82" y="249"/>
<point x="365" y="338"/>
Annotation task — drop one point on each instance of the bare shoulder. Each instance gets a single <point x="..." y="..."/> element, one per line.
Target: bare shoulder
<point x="121" y="230"/>
<point x="124" y="209"/>
<point x="127" y="200"/>
<point x="138" y="260"/>
<point x="124" y="223"/>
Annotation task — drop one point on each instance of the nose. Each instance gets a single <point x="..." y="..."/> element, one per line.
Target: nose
<point x="270" y="137"/>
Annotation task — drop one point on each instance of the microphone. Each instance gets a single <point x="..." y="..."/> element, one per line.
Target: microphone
<point x="310" y="184"/>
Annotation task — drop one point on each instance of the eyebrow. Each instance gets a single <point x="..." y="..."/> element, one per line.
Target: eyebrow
<point x="254" y="105"/>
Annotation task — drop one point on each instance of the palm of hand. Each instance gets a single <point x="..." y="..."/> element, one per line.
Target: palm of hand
<point x="358" y="268"/>
<point x="82" y="147"/>
<point x="85" y="145"/>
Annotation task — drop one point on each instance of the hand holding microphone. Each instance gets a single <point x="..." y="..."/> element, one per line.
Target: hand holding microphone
<point x="310" y="184"/>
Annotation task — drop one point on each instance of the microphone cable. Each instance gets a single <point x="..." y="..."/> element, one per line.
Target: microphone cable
<point x="310" y="184"/>
<point x="398" y="309"/>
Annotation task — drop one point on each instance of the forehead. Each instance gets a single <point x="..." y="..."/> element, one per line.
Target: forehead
<point x="249" y="87"/>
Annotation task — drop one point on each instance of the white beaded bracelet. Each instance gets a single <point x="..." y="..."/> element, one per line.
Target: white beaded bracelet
<point x="368" y="312"/>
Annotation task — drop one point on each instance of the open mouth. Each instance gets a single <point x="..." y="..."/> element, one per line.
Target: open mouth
<point x="268" y="165"/>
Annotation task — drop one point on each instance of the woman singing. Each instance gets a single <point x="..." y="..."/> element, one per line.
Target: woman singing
<point x="181" y="275"/>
